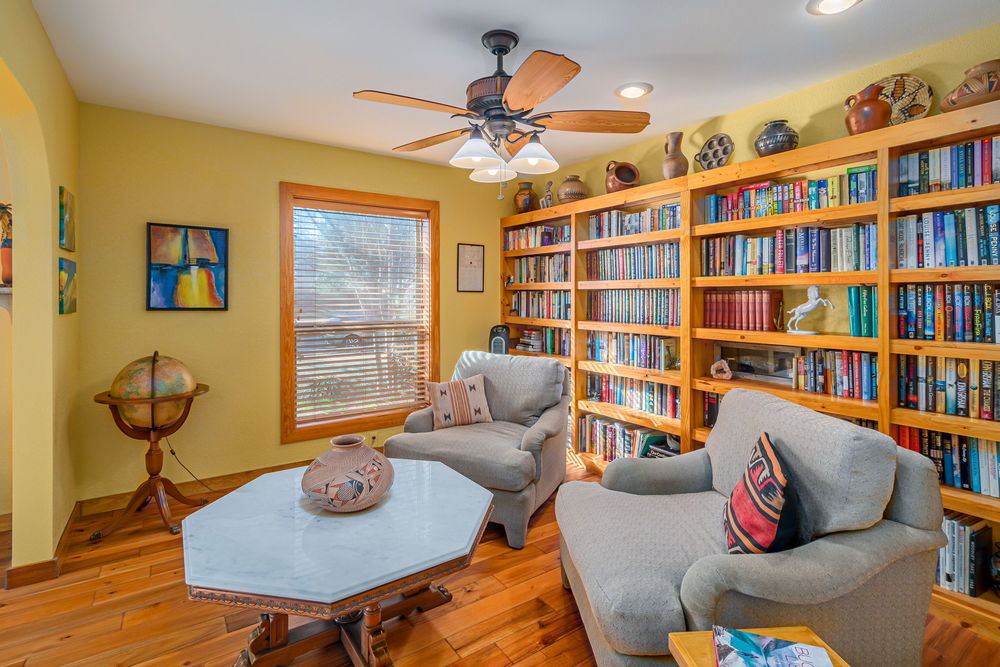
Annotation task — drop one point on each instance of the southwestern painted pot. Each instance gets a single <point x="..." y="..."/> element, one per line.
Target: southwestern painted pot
<point x="348" y="477"/>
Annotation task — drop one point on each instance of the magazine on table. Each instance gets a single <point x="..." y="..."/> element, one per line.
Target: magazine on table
<point x="736" y="648"/>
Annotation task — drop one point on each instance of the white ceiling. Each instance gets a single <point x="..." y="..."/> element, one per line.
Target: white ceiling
<point x="288" y="67"/>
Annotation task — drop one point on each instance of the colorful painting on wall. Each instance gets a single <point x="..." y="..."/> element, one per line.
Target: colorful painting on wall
<point x="67" y="286"/>
<point x="187" y="268"/>
<point x="67" y="219"/>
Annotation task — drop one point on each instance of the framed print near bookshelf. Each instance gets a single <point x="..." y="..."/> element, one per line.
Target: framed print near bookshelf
<point x="471" y="258"/>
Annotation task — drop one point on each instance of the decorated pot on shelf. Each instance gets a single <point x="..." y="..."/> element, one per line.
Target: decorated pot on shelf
<point x="776" y="137"/>
<point x="866" y="111"/>
<point x="620" y="176"/>
<point x="674" y="164"/>
<point x="348" y="477"/>
<point x="6" y="262"/>
<point x="572" y="189"/>
<point x="981" y="85"/>
<point x="525" y="199"/>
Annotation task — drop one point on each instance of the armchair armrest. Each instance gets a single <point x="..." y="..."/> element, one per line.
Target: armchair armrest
<point x="687" y="473"/>
<point x="552" y="422"/>
<point x="815" y="573"/>
<point x="421" y="421"/>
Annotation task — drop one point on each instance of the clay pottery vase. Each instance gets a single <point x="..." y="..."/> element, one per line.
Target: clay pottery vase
<point x="776" y="137"/>
<point x="348" y="477"/>
<point x="866" y="111"/>
<point x="525" y="199"/>
<point x="981" y="85"/>
<point x="674" y="164"/>
<point x="620" y="176"/>
<point x="572" y="189"/>
<point x="6" y="262"/>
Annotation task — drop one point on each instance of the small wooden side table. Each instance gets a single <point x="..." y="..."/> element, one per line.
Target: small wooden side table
<point x="695" y="649"/>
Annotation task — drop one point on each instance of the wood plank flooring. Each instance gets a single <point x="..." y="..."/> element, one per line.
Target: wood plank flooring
<point x="123" y="602"/>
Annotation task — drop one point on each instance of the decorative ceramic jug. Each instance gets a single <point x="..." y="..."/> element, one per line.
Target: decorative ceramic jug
<point x="525" y="199"/>
<point x="348" y="477"/>
<point x="621" y="176"/>
<point x="776" y="137"/>
<point x="674" y="164"/>
<point x="866" y="111"/>
<point x="572" y="189"/>
<point x="982" y="84"/>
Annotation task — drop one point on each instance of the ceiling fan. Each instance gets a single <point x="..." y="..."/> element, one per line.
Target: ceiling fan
<point x="500" y="111"/>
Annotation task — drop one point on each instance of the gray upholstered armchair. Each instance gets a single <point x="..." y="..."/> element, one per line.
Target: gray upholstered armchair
<point x="645" y="551"/>
<point x="521" y="455"/>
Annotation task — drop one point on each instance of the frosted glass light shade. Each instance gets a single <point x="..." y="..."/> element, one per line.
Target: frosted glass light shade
<point x="476" y="153"/>
<point x="493" y="174"/>
<point x="534" y="159"/>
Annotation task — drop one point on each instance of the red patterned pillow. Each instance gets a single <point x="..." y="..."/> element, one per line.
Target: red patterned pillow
<point x="760" y="517"/>
<point x="459" y="403"/>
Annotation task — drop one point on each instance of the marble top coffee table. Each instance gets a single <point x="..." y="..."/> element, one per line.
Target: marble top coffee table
<point x="266" y="546"/>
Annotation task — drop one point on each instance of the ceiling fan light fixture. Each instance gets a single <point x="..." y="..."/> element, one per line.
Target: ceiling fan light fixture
<point x="476" y="153"/>
<point x="534" y="159"/>
<point x="827" y="7"/>
<point x="634" y="90"/>
<point x="498" y="174"/>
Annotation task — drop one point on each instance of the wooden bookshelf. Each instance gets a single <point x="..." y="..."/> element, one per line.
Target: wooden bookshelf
<point x="696" y="342"/>
<point x="515" y="287"/>
<point x="565" y="360"/>
<point x="536" y="321"/>
<point x="540" y="250"/>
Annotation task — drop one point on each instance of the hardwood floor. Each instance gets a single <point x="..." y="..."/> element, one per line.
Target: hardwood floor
<point x="123" y="602"/>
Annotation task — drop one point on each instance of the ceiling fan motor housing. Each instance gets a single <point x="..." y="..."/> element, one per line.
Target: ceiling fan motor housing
<point x="486" y="94"/>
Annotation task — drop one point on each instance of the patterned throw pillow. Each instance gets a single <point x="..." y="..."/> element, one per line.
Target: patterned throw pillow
<point x="760" y="515"/>
<point x="459" y="403"/>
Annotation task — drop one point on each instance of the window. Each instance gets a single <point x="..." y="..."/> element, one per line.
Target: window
<point x="359" y="309"/>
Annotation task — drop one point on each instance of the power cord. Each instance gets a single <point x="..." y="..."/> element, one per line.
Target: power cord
<point x="170" y="448"/>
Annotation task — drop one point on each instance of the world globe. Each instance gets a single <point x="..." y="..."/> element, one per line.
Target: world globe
<point x="137" y="380"/>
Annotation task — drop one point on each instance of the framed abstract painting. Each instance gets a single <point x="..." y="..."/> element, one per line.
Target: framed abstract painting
<point x="187" y="267"/>
<point x="67" y="286"/>
<point x="67" y="219"/>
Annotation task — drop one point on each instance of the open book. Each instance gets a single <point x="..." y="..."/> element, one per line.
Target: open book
<point x="735" y="648"/>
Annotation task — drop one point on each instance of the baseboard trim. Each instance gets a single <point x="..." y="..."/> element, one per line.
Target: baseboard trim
<point x="32" y="573"/>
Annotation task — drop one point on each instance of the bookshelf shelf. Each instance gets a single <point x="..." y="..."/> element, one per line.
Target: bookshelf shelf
<point x="566" y="361"/>
<point x="972" y="503"/>
<point x="655" y="329"/>
<point x="635" y="372"/>
<point x="937" y="348"/>
<point x="967" y="426"/>
<point x="540" y="250"/>
<point x="979" y="614"/>
<point x="649" y="283"/>
<point x="848" y="407"/>
<point x="829" y="341"/>
<point x="953" y="274"/>
<point x="630" y="239"/>
<point x="828" y="278"/>
<point x="594" y="463"/>
<point x="820" y="217"/>
<point x="536" y="321"/>
<point x="514" y="287"/>
<point x="700" y="433"/>
<point x="957" y="198"/>
<point x="638" y="417"/>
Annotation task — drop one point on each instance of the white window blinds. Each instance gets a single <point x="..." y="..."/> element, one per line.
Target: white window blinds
<point x="362" y="310"/>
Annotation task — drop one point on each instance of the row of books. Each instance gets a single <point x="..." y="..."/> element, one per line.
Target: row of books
<point x="948" y="312"/>
<point x="862" y="310"/>
<point x="621" y="223"/>
<point x="542" y="268"/>
<point x="964" y="563"/>
<point x="631" y="349"/>
<point x="962" y="462"/>
<point x="656" y="399"/>
<point x="745" y="309"/>
<point x="611" y="439"/>
<point x="962" y="387"/>
<point x="548" y="340"/>
<point x="637" y="306"/>
<point x="657" y="260"/>
<point x="838" y="373"/>
<point x="799" y="250"/>
<point x="550" y="304"/>
<point x="963" y="165"/>
<point x="536" y="236"/>
<point x="963" y="237"/>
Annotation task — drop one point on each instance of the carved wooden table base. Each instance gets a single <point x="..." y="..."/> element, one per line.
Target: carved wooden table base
<point x="271" y="643"/>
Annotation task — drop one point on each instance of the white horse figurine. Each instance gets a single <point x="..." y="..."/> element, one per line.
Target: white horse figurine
<point x="800" y="311"/>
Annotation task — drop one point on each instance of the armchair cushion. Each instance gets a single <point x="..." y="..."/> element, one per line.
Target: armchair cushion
<point x="518" y="389"/>
<point x="631" y="552"/>
<point x="487" y="453"/>
<point x="459" y="403"/>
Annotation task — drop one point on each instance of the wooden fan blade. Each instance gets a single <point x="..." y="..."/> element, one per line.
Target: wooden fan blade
<point x="622" y="122"/>
<point x="404" y="101"/>
<point x="538" y="78"/>
<point x="514" y="148"/>
<point x="431" y="141"/>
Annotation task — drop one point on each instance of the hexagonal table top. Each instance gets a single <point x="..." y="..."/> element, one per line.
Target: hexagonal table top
<point x="267" y="539"/>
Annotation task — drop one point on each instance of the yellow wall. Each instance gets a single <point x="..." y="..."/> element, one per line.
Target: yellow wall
<point x="137" y="168"/>
<point x="38" y="125"/>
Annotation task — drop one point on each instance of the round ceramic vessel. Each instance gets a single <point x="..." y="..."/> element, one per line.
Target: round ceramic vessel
<point x="777" y="137"/>
<point x="348" y="477"/>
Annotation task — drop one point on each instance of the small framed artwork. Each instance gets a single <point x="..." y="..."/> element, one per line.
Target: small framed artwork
<point x="766" y="363"/>
<point x="67" y="286"/>
<point x="470" y="267"/>
<point x="187" y="267"/>
<point x="67" y="220"/>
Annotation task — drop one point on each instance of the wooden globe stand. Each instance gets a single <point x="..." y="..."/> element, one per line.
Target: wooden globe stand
<point x="155" y="488"/>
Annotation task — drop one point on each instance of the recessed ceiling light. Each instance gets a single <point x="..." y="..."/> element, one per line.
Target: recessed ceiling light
<point x="823" y="7"/>
<point x="633" y="90"/>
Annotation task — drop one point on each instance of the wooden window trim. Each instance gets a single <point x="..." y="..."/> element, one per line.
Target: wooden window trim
<point x="292" y="194"/>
